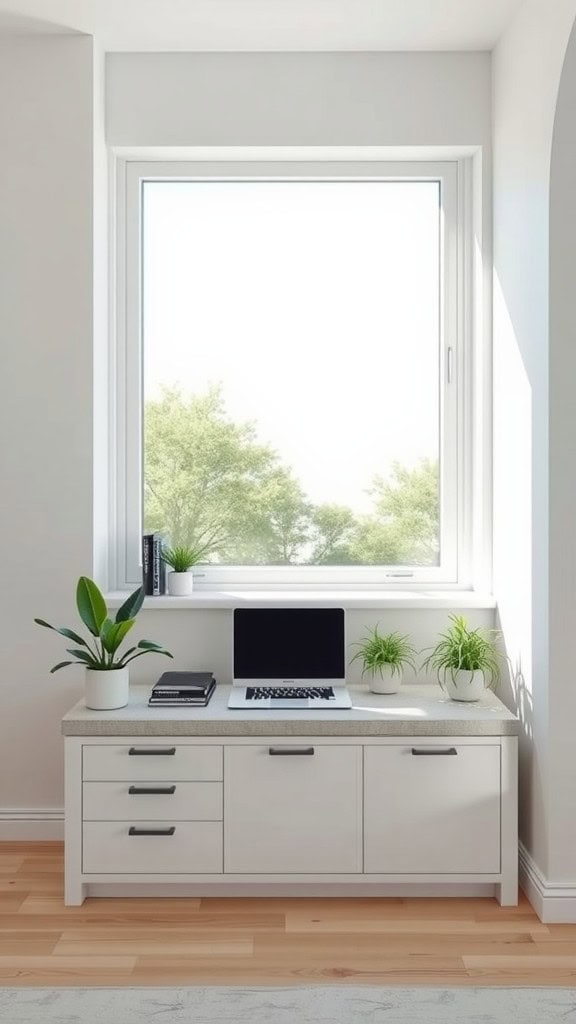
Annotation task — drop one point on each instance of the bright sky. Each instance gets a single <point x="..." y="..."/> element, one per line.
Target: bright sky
<point x="315" y="304"/>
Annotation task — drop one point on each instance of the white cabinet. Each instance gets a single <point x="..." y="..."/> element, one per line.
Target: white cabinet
<point x="432" y="808"/>
<point x="311" y="815"/>
<point x="293" y="808"/>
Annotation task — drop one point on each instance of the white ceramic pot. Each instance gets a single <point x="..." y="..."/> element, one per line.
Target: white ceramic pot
<point x="180" y="584"/>
<point x="106" y="690"/>
<point x="385" y="681"/>
<point x="462" y="685"/>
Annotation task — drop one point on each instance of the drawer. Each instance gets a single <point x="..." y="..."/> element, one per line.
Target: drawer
<point x="432" y="808"/>
<point x="194" y="847"/>
<point x="152" y="801"/>
<point x="148" y="762"/>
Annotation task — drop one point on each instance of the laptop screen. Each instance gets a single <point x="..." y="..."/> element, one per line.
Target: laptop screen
<point x="289" y="644"/>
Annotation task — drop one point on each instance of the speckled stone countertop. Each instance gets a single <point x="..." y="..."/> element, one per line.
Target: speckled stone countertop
<point x="415" y="711"/>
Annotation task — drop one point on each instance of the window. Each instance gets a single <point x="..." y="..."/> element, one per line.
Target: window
<point x="291" y="354"/>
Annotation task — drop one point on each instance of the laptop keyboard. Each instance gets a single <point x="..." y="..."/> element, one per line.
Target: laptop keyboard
<point x="289" y="693"/>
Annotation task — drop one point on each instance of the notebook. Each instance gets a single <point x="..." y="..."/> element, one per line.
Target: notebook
<point x="182" y="688"/>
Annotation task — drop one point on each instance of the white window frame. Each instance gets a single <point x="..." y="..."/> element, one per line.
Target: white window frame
<point x="456" y="384"/>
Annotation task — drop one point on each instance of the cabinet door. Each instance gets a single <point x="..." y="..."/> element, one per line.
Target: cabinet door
<point x="432" y="809"/>
<point x="292" y="808"/>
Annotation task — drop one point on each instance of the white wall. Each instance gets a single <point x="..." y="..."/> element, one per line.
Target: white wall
<point x="45" y="391"/>
<point x="203" y="638"/>
<point x="101" y="321"/>
<point x="527" y="65"/>
<point x="298" y="99"/>
<point x="52" y="178"/>
<point x="562" y="709"/>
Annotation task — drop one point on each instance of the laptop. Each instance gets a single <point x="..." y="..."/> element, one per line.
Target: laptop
<point x="289" y="659"/>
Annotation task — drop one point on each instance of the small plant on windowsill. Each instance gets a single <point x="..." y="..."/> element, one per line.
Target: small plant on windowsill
<point x="181" y="558"/>
<point x="466" y="661"/>
<point x="383" y="659"/>
<point x="106" y="671"/>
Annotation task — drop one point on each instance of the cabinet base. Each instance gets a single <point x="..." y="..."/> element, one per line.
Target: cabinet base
<point x="176" y="890"/>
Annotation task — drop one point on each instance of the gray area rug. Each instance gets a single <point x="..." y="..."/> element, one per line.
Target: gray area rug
<point x="334" y="1005"/>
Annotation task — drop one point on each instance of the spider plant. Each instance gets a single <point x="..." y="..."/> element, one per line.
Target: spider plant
<point x="101" y="651"/>
<point x="461" y="649"/>
<point x="182" y="557"/>
<point x="390" y="649"/>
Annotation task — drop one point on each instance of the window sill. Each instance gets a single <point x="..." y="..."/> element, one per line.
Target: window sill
<point x="417" y="600"/>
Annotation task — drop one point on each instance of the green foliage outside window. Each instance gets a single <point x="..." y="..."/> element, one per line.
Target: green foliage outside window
<point x="212" y="485"/>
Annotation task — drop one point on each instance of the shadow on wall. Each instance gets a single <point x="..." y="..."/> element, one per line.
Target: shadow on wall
<point x="514" y="690"/>
<point x="23" y="24"/>
<point x="516" y="693"/>
<point x="513" y="518"/>
<point x="514" y="523"/>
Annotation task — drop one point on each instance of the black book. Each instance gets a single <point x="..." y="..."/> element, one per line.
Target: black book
<point x="158" y="566"/>
<point x="186" y="687"/>
<point x="147" y="562"/>
<point x="189" y="683"/>
<point x="181" y="698"/>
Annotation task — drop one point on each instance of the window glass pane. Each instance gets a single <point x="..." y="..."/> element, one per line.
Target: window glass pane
<point x="291" y="370"/>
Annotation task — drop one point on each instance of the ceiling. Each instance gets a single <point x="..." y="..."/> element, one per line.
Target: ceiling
<point x="268" y="24"/>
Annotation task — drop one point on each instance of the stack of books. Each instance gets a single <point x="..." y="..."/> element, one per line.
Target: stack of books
<point x="183" y="689"/>
<point x="153" y="565"/>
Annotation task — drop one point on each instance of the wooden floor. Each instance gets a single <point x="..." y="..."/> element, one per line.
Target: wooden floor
<point x="264" y="941"/>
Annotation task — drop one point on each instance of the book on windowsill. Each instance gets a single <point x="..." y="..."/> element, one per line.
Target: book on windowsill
<point x="153" y="565"/>
<point x="183" y="689"/>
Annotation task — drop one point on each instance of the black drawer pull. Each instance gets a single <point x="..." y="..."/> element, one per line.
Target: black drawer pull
<point x="290" y="751"/>
<point x="132" y="831"/>
<point x="152" y="790"/>
<point x="434" y="751"/>
<point x="167" y="751"/>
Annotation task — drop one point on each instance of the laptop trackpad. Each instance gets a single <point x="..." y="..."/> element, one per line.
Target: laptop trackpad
<point x="281" y="703"/>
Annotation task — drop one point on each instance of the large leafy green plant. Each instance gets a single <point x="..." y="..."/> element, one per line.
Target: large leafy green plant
<point x="391" y="649"/>
<point x="101" y="653"/>
<point x="461" y="649"/>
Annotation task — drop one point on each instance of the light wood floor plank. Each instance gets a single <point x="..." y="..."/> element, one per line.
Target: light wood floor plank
<point x="272" y="972"/>
<point x="165" y="948"/>
<point x="65" y="963"/>
<point x="10" y="865"/>
<point x="53" y="903"/>
<point x="415" y="926"/>
<point x="498" y="962"/>
<point x="46" y="884"/>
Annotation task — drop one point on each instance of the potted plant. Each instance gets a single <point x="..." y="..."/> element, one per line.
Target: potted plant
<point x="383" y="659"/>
<point x="181" y="559"/>
<point x="466" y="661"/>
<point x="106" y="671"/>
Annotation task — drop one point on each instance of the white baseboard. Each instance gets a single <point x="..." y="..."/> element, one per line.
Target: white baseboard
<point x="19" y="824"/>
<point x="554" y="902"/>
